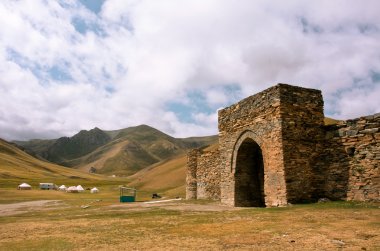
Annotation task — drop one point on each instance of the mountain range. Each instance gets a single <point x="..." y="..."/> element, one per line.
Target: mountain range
<point x="120" y="152"/>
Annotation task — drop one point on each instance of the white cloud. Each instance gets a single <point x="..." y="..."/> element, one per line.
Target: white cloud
<point x="134" y="57"/>
<point x="365" y="97"/>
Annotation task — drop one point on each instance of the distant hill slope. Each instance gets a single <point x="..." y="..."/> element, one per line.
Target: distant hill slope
<point x="17" y="166"/>
<point x="67" y="148"/>
<point x="36" y="147"/>
<point x="330" y="121"/>
<point x="120" y="152"/>
<point x="167" y="177"/>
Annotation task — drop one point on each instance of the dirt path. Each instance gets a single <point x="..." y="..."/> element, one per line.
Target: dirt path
<point x="175" y="205"/>
<point x="40" y="205"/>
<point x="24" y="207"/>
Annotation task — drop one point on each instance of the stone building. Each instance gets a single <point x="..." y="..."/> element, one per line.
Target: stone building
<point x="274" y="149"/>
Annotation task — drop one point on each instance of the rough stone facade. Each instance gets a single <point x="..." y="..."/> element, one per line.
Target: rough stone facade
<point x="350" y="160"/>
<point x="203" y="183"/>
<point x="274" y="149"/>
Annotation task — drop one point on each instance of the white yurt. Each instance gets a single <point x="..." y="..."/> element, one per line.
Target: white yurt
<point x="94" y="190"/>
<point x="62" y="188"/>
<point x="72" y="189"/>
<point x="80" y="188"/>
<point x="24" y="186"/>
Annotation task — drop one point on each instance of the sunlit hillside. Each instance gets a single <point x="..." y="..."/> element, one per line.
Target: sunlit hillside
<point x="121" y="152"/>
<point x="168" y="176"/>
<point x="17" y="166"/>
<point x="330" y="121"/>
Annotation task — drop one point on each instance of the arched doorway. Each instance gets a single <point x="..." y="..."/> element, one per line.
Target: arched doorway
<point x="249" y="175"/>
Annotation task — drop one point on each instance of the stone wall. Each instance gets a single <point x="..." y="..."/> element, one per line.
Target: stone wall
<point x="191" y="175"/>
<point x="302" y="120"/>
<point x="274" y="149"/>
<point x="350" y="162"/>
<point x="203" y="175"/>
<point x="208" y="177"/>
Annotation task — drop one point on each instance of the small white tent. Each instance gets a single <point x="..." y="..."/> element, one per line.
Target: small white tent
<point x="94" y="190"/>
<point x="24" y="186"/>
<point x="72" y="189"/>
<point x="62" y="188"/>
<point x="80" y="188"/>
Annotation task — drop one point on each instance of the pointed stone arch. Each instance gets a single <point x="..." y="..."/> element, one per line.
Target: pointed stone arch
<point x="243" y="136"/>
<point x="248" y="171"/>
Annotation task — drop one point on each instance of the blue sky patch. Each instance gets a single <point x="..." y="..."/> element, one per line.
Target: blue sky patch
<point x="43" y="73"/>
<point x="16" y="57"/>
<point x="25" y="63"/>
<point x="198" y="102"/>
<point x="184" y="111"/>
<point x="80" y="25"/>
<point x="109" y="89"/>
<point x="57" y="73"/>
<point x="83" y="26"/>
<point x="93" y="5"/>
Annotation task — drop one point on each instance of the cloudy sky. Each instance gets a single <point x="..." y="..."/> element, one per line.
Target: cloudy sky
<point x="70" y="65"/>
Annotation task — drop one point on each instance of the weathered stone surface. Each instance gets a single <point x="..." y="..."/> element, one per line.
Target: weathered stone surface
<point x="369" y="131"/>
<point x="208" y="180"/>
<point x="274" y="149"/>
<point x="352" y="173"/>
<point x="191" y="177"/>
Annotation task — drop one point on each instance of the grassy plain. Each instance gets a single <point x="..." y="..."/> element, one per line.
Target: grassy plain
<point x="182" y="225"/>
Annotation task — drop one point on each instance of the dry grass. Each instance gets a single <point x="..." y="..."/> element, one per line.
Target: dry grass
<point x="330" y="121"/>
<point x="17" y="166"/>
<point x="102" y="157"/>
<point x="109" y="225"/>
<point x="167" y="176"/>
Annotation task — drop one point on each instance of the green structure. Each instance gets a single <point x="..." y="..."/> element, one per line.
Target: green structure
<point x="127" y="194"/>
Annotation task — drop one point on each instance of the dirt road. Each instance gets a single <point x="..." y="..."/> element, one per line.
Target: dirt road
<point x="24" y="207"/>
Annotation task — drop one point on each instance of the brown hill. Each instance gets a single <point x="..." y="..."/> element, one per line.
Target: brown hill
<point x="330" y="121"/>
<point x="17" y="166"/>
<point x="120" y="152"/>
<point x="167" y="177"/>
<point x="135" y="148"/>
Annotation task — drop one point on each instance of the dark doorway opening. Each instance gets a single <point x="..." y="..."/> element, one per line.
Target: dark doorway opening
<point x="249" y="175"/>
